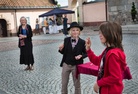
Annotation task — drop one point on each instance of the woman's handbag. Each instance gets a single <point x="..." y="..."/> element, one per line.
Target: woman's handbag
<point x="126" y="74"/>
<point x="22" y="43"/>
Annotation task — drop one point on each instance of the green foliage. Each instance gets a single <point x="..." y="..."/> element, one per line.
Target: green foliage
<point x="133" y="10"/>
<point x="58" y="5"/>
<point x="56" y="2"/>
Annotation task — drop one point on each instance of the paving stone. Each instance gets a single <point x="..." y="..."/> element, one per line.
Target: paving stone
<point x="46" y="77"/>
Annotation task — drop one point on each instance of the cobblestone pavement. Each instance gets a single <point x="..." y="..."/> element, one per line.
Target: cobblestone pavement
<point x="46" y="77"/>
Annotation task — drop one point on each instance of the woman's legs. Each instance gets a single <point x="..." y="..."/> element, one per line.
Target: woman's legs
<point x="32" y="67"/>
<point x="28" y="67"/>
<point x="26" y="55"/>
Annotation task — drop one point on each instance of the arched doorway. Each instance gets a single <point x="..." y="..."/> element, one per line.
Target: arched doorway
<point x="3" y="28"/>
<point x="77" y="6"/>
<point x="72" y="5"/>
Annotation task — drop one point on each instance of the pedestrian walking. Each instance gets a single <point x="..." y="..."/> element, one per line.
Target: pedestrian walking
<point x="112" y="61"/>
<point x="37" y="30"/>
<point x="51" y="26"/>
<point x="25" y="44"/>
<point x="65" y="25"/>
<point x="74" y="51"/>
<point x="46" y="27"/>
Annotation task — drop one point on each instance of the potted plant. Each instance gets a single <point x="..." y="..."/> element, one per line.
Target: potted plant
<point x="133" y="11"/>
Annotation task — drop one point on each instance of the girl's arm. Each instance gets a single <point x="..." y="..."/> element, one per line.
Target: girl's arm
<point x="93" y="58"/>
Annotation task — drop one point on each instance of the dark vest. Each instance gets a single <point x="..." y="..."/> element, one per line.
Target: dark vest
<point x="70" y="56"/>
<point x="69" y="53"/>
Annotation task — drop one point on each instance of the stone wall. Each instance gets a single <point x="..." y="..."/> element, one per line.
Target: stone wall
<point x="120" y="11"/>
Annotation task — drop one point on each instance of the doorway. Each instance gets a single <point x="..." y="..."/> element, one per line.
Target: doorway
<point x="3" y="28"/>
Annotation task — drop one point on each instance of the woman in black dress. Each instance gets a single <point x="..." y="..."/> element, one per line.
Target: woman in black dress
<point x="25" y="44"/>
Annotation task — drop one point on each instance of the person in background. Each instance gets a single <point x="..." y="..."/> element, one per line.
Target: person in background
<point x="37" y="24"/>
<point x="74" y="51"/>
<point x="59" y="20"/>
<point x="37" y="27"/>
<point x="65" y="25"/>
<point x="46" y="30"/>
<point x="50" y="22"/>
<point x="59" y="23"/>
<point x="112" y="61"/>
<point x="25" y="44"/>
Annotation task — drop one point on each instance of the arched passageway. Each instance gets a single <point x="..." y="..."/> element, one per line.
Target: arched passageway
<point x="77" y="6"/>
<point x="3" y="28"/>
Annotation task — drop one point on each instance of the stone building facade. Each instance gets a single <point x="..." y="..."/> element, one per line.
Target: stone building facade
<point x="120" y="11"/>
<point x="115" y="10"/>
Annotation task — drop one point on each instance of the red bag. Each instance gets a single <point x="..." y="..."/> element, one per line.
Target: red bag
<point x="126" y="74"/>
<point x="22" y="43"/>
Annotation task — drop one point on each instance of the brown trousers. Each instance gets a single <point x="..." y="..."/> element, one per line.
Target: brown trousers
<point x="66" y="70"/>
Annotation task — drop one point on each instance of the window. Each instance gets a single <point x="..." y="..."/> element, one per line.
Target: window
<point x="28" y="20"/>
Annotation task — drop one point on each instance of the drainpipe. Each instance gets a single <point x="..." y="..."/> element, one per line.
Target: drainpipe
<point x="106" y="9"/>
<point x="16" y="20"/>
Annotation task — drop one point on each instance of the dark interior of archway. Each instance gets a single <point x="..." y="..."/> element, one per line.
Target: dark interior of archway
<point x="3" y="28"/>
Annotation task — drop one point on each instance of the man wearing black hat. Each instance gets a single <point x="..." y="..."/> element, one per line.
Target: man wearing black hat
<point x="73" y="50"/>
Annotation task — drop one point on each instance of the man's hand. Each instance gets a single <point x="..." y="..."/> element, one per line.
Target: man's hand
<point x="78" y="57"/>
<point x="61" y="47"/>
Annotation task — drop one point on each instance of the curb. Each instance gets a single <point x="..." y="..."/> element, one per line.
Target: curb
<point x="130" y="29"/>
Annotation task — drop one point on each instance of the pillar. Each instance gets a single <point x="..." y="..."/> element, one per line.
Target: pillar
<point x="70" y="8"/>
<point x="80" y="7"/>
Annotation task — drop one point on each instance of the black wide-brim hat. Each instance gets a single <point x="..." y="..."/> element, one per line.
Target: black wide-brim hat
<point x="75" y="24"/>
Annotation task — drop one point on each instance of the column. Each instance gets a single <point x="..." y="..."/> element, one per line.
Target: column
<point x="81" y="20"/>
<point x="70" y="8"/>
